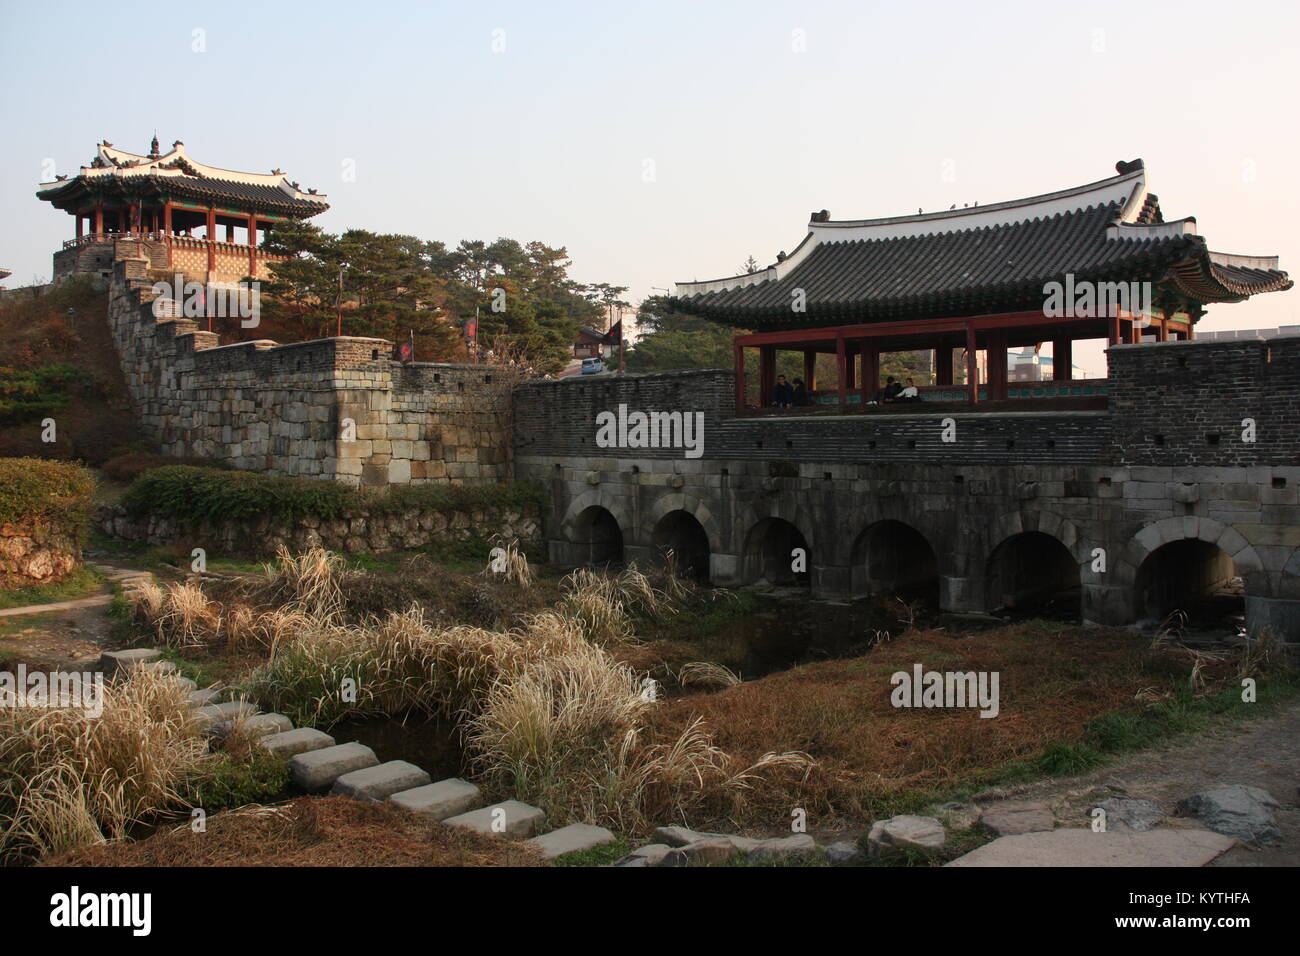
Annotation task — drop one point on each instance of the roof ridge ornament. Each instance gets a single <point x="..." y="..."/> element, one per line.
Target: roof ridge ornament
<point x="1133" y="165"/>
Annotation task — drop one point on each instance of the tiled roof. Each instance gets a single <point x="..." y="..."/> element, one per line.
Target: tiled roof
<point x="978" y="261"/>
<point x="117" y="173"/>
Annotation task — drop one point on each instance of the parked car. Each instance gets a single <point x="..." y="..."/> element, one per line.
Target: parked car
<point x="592" y="366"/>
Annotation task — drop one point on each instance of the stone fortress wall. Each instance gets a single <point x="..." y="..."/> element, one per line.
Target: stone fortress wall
<point x="336" y="409"/>
<point x="1198" y="450"/>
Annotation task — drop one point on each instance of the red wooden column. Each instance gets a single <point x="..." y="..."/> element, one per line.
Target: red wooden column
<point x="99" y="220"/>
<point x="766" y="374"/>
<point x="809" y="371"/>
<point x="943" y="365"/>
<point x="996" y="350"/>
<point x="1062" y="359"/>
<point x="870" y="369"/>
<point x="167" y="230"/>
<point x="740" y="377"/>
<point x="212" y="238"/>
<point x="842" y="369"/>
<point x="1113" y="337"/>
<point x="78" y="225"/>
<point x="252" y="245"/>
<point x="850" y="369"/>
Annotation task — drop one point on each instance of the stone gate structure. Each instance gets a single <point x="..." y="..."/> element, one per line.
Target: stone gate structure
<point x="1188" y="476"/>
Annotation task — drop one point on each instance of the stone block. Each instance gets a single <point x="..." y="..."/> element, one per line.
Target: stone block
<point x="571" y="839"/>
<point x="510" y="818"/>
<point x="381" y="781"/>
<point x="316" y="770"/>
<point x="446" y="798"/>
<point x="290" y="743"/>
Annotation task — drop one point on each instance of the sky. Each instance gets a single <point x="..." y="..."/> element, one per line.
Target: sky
<point x="669" y="141"/>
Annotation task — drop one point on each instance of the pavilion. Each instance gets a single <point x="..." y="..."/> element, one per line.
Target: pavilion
<point x="168" y="197"/>
<point x="977" y="278"/>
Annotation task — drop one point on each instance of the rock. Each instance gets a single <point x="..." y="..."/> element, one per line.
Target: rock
<point x="216" y="717"/>
<point x="783" y="848"/>
<point x="1012" y="820"/>
<point x="957" y="816"/>
<point x="707" y="852"/>
<point x="1079" y="846"/>
<point x="518" y="819"/>
<point x="290" y="743"/>
<point x="1237" y="811"/>
<point x="844" y="853"/>
<point x="905" y="832"/>
<point x="268" y="724"/>
<point x="115" y="662"/>
<point x="199" y="698"/>
<point x="681" y="836"/>
<point x="1135" y="814"/>
<point x="571" y="839"/>
<point x="440" y="800"/>
<point x="317" y="769"/>
<point x="652" y="854"/>
<point x="380" y="782"/>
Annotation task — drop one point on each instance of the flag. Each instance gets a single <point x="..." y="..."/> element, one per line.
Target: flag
<point x="615" y="334"/>
<point x="471" y="328"/>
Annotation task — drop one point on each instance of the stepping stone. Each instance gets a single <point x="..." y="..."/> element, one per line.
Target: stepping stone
<point x="1134" y="814"/>
<point x="1236" y="811"/>
<point x="571" y="839"/>
<point x="844" y="853"/>
<point x="200" y="698"/>
<point x="1082" y="847"/>
<point x="1010" y="821"/>
<point x="905" y="831"/>
<point x="290" y="743"/>
<point x="440" y="800"/>
<point x="652" y="854"/>
<point x="682" y="836"/>
<point x="211" y="717"/>
<point x="162" y="667"/>
<point x="316" y="769"/>
<point x="113" y="662"/>
<point x="188" y="684"/>
<point x="376" y="783"/>
<point x="268" y="724"/>
<point x="711" y="852"/>
<point x="511" y="818"/>
<point x="782" y="848"/>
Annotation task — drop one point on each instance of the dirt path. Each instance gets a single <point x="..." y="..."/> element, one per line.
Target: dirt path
<point x="1263" y="753"/>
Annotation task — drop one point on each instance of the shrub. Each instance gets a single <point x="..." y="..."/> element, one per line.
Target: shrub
<point x="187" y="493"/>
<point x="129" y="466"/>
<point x="40" y="491"/>
<point x="32" y="393"/>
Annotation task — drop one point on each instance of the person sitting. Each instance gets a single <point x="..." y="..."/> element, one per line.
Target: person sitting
<point x="890" y="392"/>
<point x="782" y="393"/>
<point x="909" y="394"/>
<point x="800" y="397"/>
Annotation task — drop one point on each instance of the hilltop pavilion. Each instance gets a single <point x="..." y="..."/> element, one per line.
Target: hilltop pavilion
<point x="168" y="198"/>
<point x="974" y="279"/>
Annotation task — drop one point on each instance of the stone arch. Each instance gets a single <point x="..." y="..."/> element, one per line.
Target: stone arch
<point x="689" y="503"/>
<point x="593" y="526"/>
<point x="767" y="552"/>
<point x="786" y="510"/>
<point x="1289" y="583"/>
<point x="1024" y="563"/>
<point x="1178" y="563"/>
<point x="889" y="554"/>
<point x="1168" y="530"/>
<point x="681" y="533"/>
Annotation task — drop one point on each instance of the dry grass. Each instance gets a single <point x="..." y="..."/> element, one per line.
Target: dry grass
<point x="67" y="778"/>
<point x="1054" y="679"/>
<point x="511" y="563"/>
<point x="706" y="674"/>
<point x="312" y="831"/>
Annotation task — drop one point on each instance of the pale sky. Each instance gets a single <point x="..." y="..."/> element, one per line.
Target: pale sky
<point x="669" y="141"/>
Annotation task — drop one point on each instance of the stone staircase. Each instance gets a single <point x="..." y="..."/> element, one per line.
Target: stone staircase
<point x="318" y="764"/>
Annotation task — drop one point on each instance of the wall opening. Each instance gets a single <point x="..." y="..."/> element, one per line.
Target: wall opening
<point x="1034" y="573"/>
<point x="769" y="554"/>
<point x="891" y="556"/>
<point x="682" y="533"/>
<point x="1193" y="577"/>
<point x="597" y="538"/>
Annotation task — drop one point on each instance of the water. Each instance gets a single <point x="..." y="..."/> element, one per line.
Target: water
<point x="431" y="743"/>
